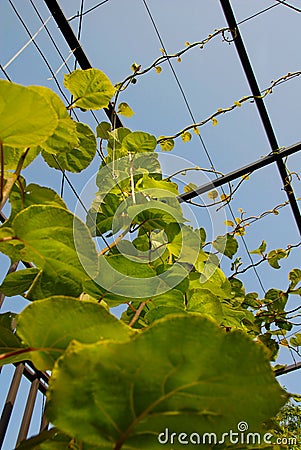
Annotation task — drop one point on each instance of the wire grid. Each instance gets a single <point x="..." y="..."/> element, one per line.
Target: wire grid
<point x="57" y="58"/>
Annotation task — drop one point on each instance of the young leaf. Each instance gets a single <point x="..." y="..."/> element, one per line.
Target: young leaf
<point x="158" y="69"/>
<point x="213" y="194"/>
<point x="91" y="88"/>
<point x="125" y="110"/>
<point x="214" y="121"/>
<point x="274" y="257"/>
<point x="65" y="318"/>
<point x="167" y="144"/>
<point x="190" y="187"/>
<point x="186" y="136"/>
<point x="127" y="404"/>
<point x="294" y="277"/>
<point x="135" y="67"/>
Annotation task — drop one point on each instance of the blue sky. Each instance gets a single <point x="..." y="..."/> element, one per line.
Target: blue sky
<point x="119" y="33"/>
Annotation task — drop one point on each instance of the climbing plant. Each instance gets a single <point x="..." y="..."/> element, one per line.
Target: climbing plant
<point x="190" y="358"/>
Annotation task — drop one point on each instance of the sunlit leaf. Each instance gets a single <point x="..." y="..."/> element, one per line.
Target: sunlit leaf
<point x="158" y="69"/>
<point x="126" y="404"/>
<point x="139" y="141"/>
<point x="190" y="187"/>
<point x="186" y="136"/>
<point x="214" y="121"/>
<point x="260" y="250"/>
<point x="125" y="110"/>
<point x="274" y="257"/>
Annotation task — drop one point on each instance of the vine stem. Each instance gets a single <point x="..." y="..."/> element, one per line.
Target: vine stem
<point x="11" y="181"/>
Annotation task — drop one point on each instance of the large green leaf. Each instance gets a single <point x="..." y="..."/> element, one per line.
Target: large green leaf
<point x="65" y="319"/>
<point x="59" y="244"/>
<point x="91" y="88"/>
<point x="26" y="117"/>
<point x="125" y="403"/>
<point x="64" y="137"/>
<point x="80" y="156"/>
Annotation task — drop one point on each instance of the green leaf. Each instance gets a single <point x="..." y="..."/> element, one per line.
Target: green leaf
<point x="186" y="136"/>
<point x="103" y="129"/>
<point x="91" y="88"/>
<point x="295" y="277"/>
<point x="138" y="142"/>
<point x="190" y="187"/>
<point x="80" y="156"/>
<point x="125" y="110"/>
<point x="12" y="156"/>
<point x="26" y="117"/>
<point x="127" y="404"/>
<point x="166" y="144"/>
<point x="65" y="319"/>
<point x="274" y="257"/>
<point x="64" y="137"/>
<point x="18" y="282"/>
<point x="213" y="194"/>
<point x="152" y="186"/>
<point x="276" y="300"/>
<point x="59" y="244"/>
<point x="296" y="340"/>
<point x="226" y="244"/>
<point x="236" y="317"/>
<point x="204" y="302"/>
